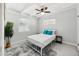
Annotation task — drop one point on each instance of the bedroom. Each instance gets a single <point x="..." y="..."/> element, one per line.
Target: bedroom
<point x="27" y="21"/>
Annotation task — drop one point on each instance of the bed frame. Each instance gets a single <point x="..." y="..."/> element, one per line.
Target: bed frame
<point x="37" y="47"/>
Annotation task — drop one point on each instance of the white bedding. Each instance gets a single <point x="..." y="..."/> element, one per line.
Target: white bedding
<point x="41" y="40"/>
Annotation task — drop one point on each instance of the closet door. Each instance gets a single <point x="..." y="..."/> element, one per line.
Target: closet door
<point x="78" y="34"/>
<point x="78" y="26"/>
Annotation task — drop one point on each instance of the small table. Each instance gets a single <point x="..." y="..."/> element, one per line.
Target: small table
<point x="59" y="39"/>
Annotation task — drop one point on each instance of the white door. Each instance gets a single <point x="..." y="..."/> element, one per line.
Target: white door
<point x="78" y="26"/>
<point x="78" y="34"/>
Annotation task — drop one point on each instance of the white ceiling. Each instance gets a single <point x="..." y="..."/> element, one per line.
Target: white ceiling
<point x="29" y="8"/>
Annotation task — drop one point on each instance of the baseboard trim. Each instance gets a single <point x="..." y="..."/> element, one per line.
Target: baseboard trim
<point x="69" y="43"/>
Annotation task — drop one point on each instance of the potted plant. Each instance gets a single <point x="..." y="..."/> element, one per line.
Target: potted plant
<point x="8" y="33"/>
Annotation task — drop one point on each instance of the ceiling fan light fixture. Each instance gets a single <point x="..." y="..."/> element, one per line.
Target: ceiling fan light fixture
<point x="42" y="13"/>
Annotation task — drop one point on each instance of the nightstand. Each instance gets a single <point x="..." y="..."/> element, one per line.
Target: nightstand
<point x="59" y="39"/>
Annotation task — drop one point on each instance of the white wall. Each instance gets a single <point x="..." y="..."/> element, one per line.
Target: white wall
<point x="0" y="29"/>
<point x="15" y="18"/>
<point x="66" y="24"/>
<point x="0" y="24"/>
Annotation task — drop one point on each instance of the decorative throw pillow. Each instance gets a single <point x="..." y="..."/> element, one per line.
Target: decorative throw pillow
<point x="49" y="32"/>
<point x="45" y="31"/>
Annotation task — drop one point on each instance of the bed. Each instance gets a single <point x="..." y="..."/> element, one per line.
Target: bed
<point x="40" y="40"/>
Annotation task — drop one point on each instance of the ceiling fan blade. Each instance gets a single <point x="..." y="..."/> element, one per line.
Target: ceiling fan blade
<point x="37" y="9"/>
<point x="38" y="13"/>
<point x="47" y="11"/>
<point x="46" y="8"/>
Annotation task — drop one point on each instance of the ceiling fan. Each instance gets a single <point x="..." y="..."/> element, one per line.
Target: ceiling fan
<point x="43" y="10"/>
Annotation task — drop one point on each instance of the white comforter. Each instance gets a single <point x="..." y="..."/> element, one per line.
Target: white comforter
<point x="41" y="40"/>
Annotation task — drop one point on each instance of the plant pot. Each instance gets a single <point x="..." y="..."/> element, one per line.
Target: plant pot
<point x="7" y="43"/>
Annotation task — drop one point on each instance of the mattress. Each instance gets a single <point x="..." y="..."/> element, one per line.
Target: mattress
<point x="41" y="40"/>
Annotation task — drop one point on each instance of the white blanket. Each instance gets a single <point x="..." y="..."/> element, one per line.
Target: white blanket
<point x="41" y="40"/>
